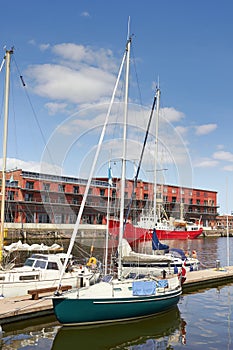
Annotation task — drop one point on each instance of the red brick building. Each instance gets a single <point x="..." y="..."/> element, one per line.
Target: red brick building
<point x="44" y="198"/>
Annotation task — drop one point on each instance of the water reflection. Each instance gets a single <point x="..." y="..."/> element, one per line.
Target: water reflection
<point x="158" y="332"/>
<point x="38" y="333"/>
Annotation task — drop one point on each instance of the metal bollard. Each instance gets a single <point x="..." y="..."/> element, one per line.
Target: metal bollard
<point x="217" y="264"/>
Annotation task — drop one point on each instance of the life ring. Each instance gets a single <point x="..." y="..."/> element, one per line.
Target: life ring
<point x="92" y="261"/>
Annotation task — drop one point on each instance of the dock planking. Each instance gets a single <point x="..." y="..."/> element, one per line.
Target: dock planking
<point x="21" y="308"/>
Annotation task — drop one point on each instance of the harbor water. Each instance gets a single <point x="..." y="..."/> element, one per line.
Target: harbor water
<point x="202" y="320"/>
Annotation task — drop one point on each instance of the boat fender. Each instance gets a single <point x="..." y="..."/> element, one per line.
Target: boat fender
<point x="194" y="254"/>
<point x="92" y="261"/>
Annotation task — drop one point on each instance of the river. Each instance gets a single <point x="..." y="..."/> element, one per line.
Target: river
<point x="202" y="320"/>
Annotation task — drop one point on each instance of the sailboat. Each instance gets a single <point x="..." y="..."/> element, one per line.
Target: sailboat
<point x="40" y="270"/>
<point x="115" y="298"/>
<point x="162" y="259"/>
<point x="166" y="228"/>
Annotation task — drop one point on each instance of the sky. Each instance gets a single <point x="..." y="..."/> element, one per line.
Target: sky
<point x="69" y="54"/>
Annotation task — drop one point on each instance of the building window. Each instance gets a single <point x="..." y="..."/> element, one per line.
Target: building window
<point x="30" y="185"/>
<point x="165" y="189"/>
<point x="43" y="219"/>
<point x="74" y="200"/>
<point x="61" y="188"/>
<point x="76" y="189"/>
<point x="190" y="193"/>
<point x="61" y="199"/>
<point x="46" y="186"/>
<point x="45" y="198"/>
<point x="165" y="199"/>
<point x="173" y="199"/>
<point x="145" y="196"/>
<point x="28" y="197"/>
<point x="10" y="195"/>
<point x="174" y="190"/>
<point x="190" y="201"/>
<point x="113" y="194"/>
<point x="198" y="194"/>
<point x="205" y="202"/>
<point x="102" y="192"/>
<point x="198" y="201"/>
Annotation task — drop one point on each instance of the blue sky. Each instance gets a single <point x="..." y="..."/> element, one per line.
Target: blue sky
<point x="69" y="54"/>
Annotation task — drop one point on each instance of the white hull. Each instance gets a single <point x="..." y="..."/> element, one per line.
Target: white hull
<point x="18" y="281"/>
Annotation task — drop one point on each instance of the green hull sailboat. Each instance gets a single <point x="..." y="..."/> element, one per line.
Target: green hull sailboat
<point x="116" y="298"/>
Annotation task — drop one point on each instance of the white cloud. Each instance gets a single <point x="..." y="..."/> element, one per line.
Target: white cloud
<point x="206" y="163"/>
<point x="223" y="155"/>
<point x="205" y="129"/>
<point x="171" y="114"/>
<point x="228" y="168"/>
<point x="44" y="47"/>
<point x="14" y="163"/>
<point x="85" y="14"/>
<point x="54" y="108"/>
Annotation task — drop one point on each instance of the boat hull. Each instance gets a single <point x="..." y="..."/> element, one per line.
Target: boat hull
<point x="104" y="310"/>
<point x="177" y="234"/>
<point x="135" y="233"/>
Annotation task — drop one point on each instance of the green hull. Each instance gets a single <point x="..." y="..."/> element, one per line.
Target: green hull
<point x="91" y="311"/>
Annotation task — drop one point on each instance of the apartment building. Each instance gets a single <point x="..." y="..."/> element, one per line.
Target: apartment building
<point x="44" y="198"/>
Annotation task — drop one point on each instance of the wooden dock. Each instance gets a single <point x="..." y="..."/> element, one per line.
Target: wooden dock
<point x="21" y="308"/>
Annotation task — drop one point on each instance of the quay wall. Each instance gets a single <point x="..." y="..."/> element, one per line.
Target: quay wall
<point x="14" y="231"/>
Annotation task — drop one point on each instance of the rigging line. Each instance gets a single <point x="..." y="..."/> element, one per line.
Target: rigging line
<point x="136" y="75"/>
<point x="140" y="160"/>
<point x="33" y="110"/>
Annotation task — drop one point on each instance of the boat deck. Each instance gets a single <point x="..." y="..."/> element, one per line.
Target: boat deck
<point x="20" y="308"/>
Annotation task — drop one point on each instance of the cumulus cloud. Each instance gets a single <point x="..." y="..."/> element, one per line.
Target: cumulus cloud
<point x="171" y="114"/>
<point x="205" y="129"/>
<point x="54" y="108"/>
<point x="206" y="163"/>
<point x="15" y="163"/>
<point x="228" y="168"/>
<point x="80" y="75"/>
<point x="223" y="155"/>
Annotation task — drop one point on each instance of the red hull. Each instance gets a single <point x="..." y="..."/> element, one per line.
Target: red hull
<point x="133" y="233"/>
<point x="177" y="234"/>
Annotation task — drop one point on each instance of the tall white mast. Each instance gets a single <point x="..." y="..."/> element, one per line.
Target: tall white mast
<point x="156" y="152"/>
<point x="123" y="174"/>
<point x="4" y="155"/>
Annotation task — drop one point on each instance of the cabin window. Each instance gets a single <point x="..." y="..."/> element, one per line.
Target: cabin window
<point x="40" y="264"/>
<point x="29" y="262"/>
<point x="52" y="266"/>
<point x="29" y="277"/>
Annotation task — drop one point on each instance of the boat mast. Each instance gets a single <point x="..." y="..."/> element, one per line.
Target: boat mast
<point x="156" y="152"/>
<point x="123" y="173"/>
<point x="76" y="226"/>
<point x="4" y="155"/>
